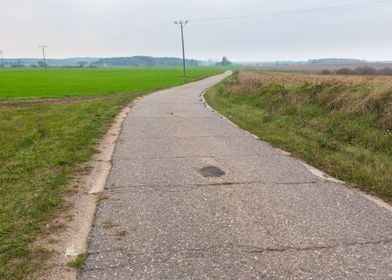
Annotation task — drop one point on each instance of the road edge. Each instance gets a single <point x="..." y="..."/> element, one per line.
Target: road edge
<point x="77" y="221"/>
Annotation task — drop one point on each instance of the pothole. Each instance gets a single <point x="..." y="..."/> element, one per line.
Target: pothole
<point x="211" y="171"/>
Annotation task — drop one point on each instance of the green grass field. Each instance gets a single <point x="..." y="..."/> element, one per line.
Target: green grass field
<point x="342" y="125"/>
<point x="44" y="143"/>
<point x="36" y="83"/>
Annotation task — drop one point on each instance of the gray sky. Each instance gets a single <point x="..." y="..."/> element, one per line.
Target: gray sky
<point x="108" y="28"/>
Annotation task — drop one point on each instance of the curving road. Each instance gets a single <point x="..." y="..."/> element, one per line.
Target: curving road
<point x="190" y="196"/>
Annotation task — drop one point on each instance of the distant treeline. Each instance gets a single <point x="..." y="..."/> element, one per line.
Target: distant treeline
<point x="335" y="61"/>
<point x="38" y="62"/>
<point x="134" y="61"/>
<point x="144" y="61"/>
<point x="365" y="71"/>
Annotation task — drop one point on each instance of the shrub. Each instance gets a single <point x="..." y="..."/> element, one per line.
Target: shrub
<point x="346" y="71"/>
<point x="385" y="71"/>
<point x="368" y="71"/>
<point x="326" y="72"/>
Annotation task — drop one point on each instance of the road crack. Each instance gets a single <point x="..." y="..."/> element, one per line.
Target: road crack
<point x="193" y="187"/>
<point x="216" y="251"/>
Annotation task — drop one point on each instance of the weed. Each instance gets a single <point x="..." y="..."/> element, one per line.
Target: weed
<point x="70" y="217"/>
<point x="109" y="225"/>
<point x="101" y="197"/>
<point x="120" y="234"/>
<point x="77" y="262"/>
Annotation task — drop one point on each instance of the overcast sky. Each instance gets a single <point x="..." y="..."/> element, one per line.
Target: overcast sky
<point x="106" y="28"/>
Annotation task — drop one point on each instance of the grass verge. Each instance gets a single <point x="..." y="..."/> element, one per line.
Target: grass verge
<point x="41" y="147"/>
<point x="343" y="128"/>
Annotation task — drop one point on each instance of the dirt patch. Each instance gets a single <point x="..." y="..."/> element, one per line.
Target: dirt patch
<point x="81" y="201"/>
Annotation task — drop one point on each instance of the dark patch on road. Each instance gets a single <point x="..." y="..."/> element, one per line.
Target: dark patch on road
<point x="211" y="171"/>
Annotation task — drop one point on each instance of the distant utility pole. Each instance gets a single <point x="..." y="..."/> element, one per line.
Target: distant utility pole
<point x="2" y="58"/>
<point x="43" y="54"/>
<point x="182" y="24"/>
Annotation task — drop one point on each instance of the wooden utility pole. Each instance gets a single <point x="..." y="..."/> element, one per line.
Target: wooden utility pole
<point x="43" y="54"/>
<point x="182" y="24"/>
<point x="2" y="58"/>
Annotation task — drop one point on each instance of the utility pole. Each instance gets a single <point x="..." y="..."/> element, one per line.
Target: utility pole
<point x="2" y="58"/>
<point x="43" y="54"/>
<point x="182" y="24"/>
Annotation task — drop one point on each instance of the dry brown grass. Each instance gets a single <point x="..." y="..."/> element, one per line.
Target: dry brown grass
<point x="254" y="78"/>
<point x="316" y="68"/>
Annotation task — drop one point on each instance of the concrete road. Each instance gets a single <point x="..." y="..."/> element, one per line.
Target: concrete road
<point x="190" y="196"/>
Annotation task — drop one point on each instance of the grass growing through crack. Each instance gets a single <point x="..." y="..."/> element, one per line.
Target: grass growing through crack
<point x="341" y="125"/>
<point x="77" y="262"/>
<point x="42" y="145"/>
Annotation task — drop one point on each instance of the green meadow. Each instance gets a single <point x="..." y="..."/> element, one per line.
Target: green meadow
<point x="56" y="82"/>
<point x="50" y="123"/>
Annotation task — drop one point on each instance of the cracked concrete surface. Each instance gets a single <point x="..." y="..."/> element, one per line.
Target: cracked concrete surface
<point x="267" y="217"/>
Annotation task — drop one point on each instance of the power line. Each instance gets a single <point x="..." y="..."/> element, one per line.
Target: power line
<point x="122" y="36"/>
<point x="182" y="24"/>
<point x="43" y="54"/>
<point x="127" y="35"/>
<point x="299" y="11"/>
<point x="239" y="17"/>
